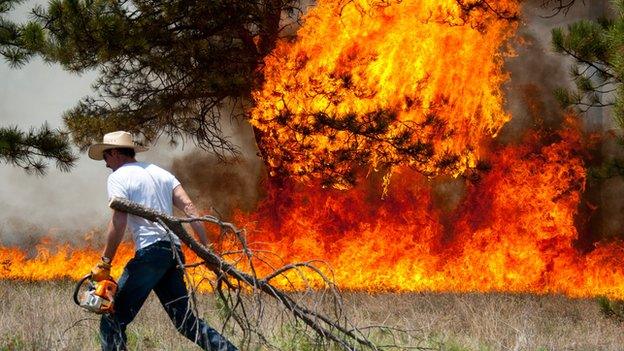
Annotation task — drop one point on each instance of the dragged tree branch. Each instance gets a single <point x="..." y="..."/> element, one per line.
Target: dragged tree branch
<point x="235" y="280"/>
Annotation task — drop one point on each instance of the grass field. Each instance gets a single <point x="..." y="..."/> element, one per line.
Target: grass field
<point x="41" y="316"/>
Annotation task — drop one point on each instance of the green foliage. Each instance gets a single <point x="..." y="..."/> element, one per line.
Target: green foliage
<point x="452" y="346"/>
<point x="564" y="97"/>
<point x="584" y="39"/>
<point x="166" y="67"/>
<point x="11" y="44"/>
<point x="33" y="150"/>
<point x="598" y="50"/>
<point x="293" y="337"/>
<point x="609" y="169"/>
<point x="12" y="344"/>
<point x="598" y="73"/>
<point x="612" y="309"/>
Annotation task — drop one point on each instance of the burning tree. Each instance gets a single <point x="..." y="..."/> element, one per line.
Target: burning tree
<point x="413" y="83"/>
<point x="177" y="68"/>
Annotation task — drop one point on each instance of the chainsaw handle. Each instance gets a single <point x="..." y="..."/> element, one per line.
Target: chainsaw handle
<point x="77" y="288"/>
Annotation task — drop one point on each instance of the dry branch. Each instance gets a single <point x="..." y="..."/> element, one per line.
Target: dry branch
<point x="226" y="272"/>
<point x="558" y="6"/>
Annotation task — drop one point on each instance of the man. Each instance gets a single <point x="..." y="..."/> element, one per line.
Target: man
<point x="153" y="266"/>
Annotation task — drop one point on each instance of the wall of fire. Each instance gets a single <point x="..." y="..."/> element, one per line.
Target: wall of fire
<point x="535" y="72"/>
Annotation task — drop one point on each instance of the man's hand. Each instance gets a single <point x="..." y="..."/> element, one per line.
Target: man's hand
<point x="101" y="271"/>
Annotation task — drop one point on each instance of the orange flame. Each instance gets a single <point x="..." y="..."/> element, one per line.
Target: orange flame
<point x="422" y="73"/>
<point x="512" y="231"/>
<point x="54" y="261"/>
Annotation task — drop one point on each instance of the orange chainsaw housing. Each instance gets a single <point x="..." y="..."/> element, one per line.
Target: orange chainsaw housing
<point x="99" y="296"/>
<point x="106" y="289"/>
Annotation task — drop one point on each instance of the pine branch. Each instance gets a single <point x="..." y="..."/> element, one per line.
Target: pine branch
<point x="12" y="47"/>
<point x="166" y="68"/>
<point x="595" y="73"/>
<point x="33" y="150"/>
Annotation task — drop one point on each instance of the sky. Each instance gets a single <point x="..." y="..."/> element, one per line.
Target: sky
<point x="42" y="205"/>
<point x="28" y="97"/>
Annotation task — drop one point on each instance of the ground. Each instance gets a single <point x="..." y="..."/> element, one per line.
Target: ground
<point x="42" y="316"/>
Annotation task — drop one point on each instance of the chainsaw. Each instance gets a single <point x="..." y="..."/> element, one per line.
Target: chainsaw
<point x="97" y="297"/>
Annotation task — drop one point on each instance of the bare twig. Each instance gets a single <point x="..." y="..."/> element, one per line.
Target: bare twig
<point x="559" y="6"/>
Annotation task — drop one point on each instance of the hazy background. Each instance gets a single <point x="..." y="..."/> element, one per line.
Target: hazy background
<point x="67" y="205"/>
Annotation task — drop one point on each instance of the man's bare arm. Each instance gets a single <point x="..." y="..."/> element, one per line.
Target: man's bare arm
<point x="183" y="202"/>
<point x="115" y="233"/>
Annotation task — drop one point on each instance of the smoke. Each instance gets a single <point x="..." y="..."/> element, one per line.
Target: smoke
<point x="536" y="71"/>
<point x="225" y="185"/>
<point x="66" y="207"/>
<point x="534" y="74"/>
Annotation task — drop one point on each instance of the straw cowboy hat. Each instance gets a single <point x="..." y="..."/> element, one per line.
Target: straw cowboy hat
<point x="114" y="140"/>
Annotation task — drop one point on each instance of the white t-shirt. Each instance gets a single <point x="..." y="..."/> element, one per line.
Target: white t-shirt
<point x="150" y="186"/>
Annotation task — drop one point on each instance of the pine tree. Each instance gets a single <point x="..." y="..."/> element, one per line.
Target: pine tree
<point x="597" y="48"/>
<point x="176" y="68"/>
<point x="597" y="73"/>
<point x="33" y="150"/>
<point x="166" y="67"/>
<point x="12" y="46"/>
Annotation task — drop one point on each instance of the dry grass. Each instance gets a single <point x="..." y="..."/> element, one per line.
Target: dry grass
<point x="41" y="316"/>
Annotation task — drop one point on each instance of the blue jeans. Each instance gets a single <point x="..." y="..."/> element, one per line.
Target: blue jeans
<point x="154" y="268"/>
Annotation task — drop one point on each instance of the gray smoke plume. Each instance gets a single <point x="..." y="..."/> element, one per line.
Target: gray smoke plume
<point x="224" y="185"/>
<point x="536" y="71"/>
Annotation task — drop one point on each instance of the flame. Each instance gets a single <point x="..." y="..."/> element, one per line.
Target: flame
<point x="54" y="261"/>
<point x="379" y="83"/>
<point x="514" y="227"/>
<point x="513" y="231"/>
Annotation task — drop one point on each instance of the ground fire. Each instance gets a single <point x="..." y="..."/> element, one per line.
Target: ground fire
<point x="425" y="73"/>
<point x="513" y="231"/>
